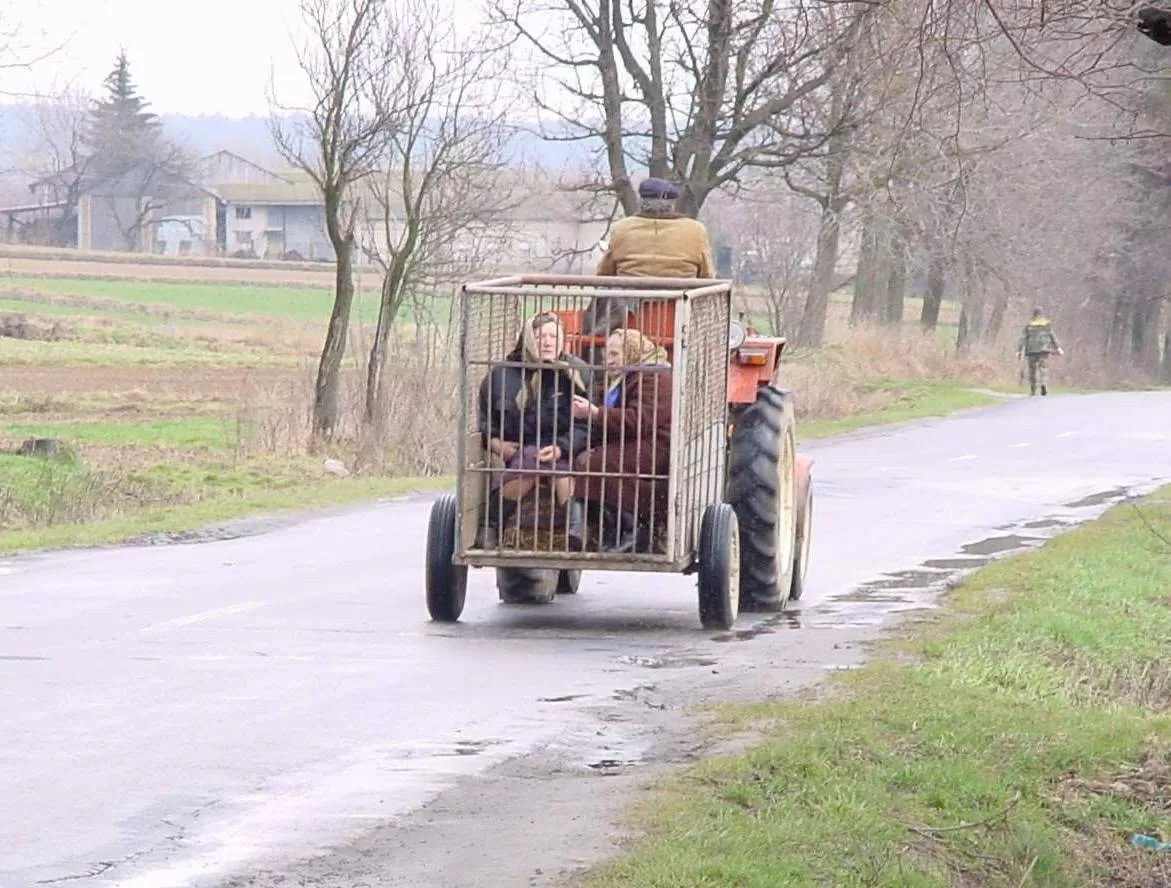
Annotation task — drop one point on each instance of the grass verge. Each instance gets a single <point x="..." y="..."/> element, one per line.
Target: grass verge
<point x="905" y="400"/>
<point x="1019" y="737"/>
<point x="63" y="503"/>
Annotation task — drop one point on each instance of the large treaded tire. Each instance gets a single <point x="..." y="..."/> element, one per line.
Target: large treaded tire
<point x="762" y="488"/>
<point x="719" y="570"/>
<point x="447" y="583"/>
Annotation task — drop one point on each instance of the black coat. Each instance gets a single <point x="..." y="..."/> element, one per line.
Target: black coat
<point x="546" y="419"/>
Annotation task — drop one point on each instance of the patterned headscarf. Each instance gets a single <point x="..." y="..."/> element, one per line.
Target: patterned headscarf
<point x="638" y="349"/>
<point x="530" y="354"/>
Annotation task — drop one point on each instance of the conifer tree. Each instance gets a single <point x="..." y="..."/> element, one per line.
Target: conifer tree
<point x="121" y="132"/>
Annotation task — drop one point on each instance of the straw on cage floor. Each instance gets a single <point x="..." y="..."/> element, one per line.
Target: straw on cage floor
<point x="526" y="538"/>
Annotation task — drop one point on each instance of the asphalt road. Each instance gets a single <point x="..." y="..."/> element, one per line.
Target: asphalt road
<point x="217" y="713"/>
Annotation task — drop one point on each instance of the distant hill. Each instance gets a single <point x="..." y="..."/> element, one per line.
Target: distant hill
<point x="250" y="137"/>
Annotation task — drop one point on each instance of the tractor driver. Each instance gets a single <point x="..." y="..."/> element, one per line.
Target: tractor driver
<point x="656" y="241"/>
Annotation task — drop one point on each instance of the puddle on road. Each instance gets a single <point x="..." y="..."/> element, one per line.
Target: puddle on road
<point x="872" y="603"/>
<point x="611" y="766"/>
<point x="907" y="579"/>
<point x="954" y="564"/>
<point x="785" y="620"/>
<point x="999" y="544"/>
<point x="666" y="662"/>
<point x="1100" y="499"/>
<point x="1044" y="524"/>
<point x="459" y="748"/>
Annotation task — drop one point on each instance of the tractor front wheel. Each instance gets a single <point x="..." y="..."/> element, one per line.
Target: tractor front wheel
<point x="719" y="567"/>
<point x="447" y="583"/>
<point x="762" y="488"/>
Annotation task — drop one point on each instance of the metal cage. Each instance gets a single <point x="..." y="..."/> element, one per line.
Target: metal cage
<point x="664" y="493"/>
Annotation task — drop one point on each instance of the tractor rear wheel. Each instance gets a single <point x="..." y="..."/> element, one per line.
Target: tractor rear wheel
<point x="447" y="583"/>
<point x="762" y="488"/>
<point x="526" y="585"/>
<point x="719" y="567"/>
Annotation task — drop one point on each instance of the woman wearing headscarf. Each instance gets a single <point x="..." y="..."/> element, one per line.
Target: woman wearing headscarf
<point x="526" y="419"/>
<point x="632" y="428"/>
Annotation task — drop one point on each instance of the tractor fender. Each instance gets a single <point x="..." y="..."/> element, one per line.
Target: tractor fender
<point x="804" y="472"/>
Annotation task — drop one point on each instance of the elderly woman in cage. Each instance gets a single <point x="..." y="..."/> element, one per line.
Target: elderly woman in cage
<point x="526" y="419"/>
<point x="632" y="433"/>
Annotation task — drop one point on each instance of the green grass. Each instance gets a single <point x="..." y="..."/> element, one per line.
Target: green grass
<point x="48" y="504"/>
<point x="1018" y="738"/>
<point x="299" y="303"/>
<point x="258" y="300"/>
<point x="914" y="399"/>
<point x="22" y="352"/>
<point x="195" y="432"/>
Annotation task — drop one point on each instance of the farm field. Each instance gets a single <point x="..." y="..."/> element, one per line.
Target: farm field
<point x="182" y="402"/>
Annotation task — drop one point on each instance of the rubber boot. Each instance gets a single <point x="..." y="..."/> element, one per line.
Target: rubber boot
<point x="575" y="526"/>
<point x="627" y="535"/>
<point x="497" y="516"/>
<point x="1044" y="390"/>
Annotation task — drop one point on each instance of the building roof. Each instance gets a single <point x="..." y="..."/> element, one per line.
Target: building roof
<point x="206" y="161"/>
<point x="29" y="208"/>
<point x="292" y="194"/>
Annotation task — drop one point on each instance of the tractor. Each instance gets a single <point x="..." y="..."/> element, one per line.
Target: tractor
<point x="735" y="499"/>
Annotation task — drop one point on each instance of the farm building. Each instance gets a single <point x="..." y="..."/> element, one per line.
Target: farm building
<point x="266" y="214"/>
<point x="232" y="206"/>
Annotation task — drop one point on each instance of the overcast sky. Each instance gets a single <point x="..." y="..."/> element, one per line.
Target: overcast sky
<point x="202" y="57"/>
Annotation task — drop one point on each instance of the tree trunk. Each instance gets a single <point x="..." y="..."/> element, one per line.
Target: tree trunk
<point x="933" y="298"/>
<point x="326" y="406"/>
<point x="776" y="304"/>
<point x="1119" y="330"/>
<point x="1165" y="371"/>
<point x="971" y="327"/>
<point x="811" y="333"/>
<point x="896" y="285"/>
<point x="996" y="318"/>
<point x="872" y="275"/>
<point x="391" y="301"/>
<point x="1144" y="335"/>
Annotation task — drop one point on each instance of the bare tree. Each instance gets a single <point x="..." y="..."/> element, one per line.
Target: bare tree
<point x="156" y="190"/>
<point x="772" y="234"/>
<point x="19" y="52"/>
<point x="57" y="160"/>
<point x="337" y="140"/>
<point x="441" y="185"/>
<point x="856" y="108"/>
<point x="696" y="93"/>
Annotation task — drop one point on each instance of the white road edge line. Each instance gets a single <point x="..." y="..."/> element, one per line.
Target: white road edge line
<point x="1022" y="444"/>
<point x="243" y="607"/>
<point x="964" y="458"/>
<point x="1067" y="434"/>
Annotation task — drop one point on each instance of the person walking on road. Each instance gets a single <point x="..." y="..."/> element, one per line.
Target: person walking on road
<point x="1036" y="345"/>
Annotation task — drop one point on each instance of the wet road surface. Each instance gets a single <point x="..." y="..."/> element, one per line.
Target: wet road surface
<point x="191" y="715"/>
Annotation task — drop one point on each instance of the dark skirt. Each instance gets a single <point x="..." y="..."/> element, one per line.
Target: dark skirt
<point x="524" y="462"/>
<point x="615" y="482"/>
